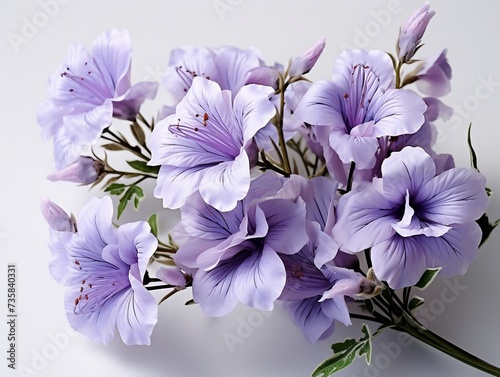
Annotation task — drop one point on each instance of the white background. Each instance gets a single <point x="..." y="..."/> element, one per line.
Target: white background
<point x="185" y="343"/>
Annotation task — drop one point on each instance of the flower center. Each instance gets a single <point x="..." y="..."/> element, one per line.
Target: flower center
<point x="210" y="134"/>
<point x="86" y="82"/>
<point x="187" y="76"/>
<point x="97" y="289"/>
<point x="363" y="88"/>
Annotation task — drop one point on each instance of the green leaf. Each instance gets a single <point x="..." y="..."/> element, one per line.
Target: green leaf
<point x="473" y="156"/>
<point x="115" y="188"/>
<point x="415" y="302"/>
<point x="334" y="364"/>
<point x="153" y="223"/>
<point x="368" y="305"/>
<point x="486" y="227"/>
<point x="366" y="348"/>
<point x="138" y="133"/>
<point x="113" y="147"/>
<point x="427" y="278"/>
<point x="344" y="354"/>
<point x="134" y="192"/>
<point x="345" y="345"/>
<point x="143" y="166"/>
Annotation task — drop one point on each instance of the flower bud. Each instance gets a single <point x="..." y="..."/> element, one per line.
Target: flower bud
<point x="412" y="32"/>
<point x="84" y="170"/>
<point x="304" y="63"/>
<point x="56" y="217"/>
<point x="359" y="287"/>
<point x="172" y="276"/>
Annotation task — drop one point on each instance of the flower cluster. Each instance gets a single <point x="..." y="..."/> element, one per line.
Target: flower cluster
<point x="318" y="196"/>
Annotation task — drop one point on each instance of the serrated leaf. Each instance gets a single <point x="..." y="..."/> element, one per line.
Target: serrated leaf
<point x="113" y="147"/>
<point x="153" y="223"/>
<point x="334" y="364"/>
<point x="366" y="348"/>
<point x="415" y="302"/>
<point x="143" y="167"/>
<point x="342" y="346"/>
<point x="138" y="133"/>
<point x="115" y="188"/>
<point x="427" y="278"/>
<point x="134" y="192"/>
<point x="344" y="354"/>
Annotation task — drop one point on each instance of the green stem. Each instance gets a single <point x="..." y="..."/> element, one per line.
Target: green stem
<point x="281" y="135"/>
<point x="124" y="144"/>
<point x="146" y="123"/>
<point x="156" y="287"/>
<point x="267" y="165"/>
<point x="413" y="327"/>
<point x="430" y="338"/>
<point x="398" y="74"/>
<point x="350" y="177"/>
<point x="130" y="174"/>
<point x="366" y="318"/>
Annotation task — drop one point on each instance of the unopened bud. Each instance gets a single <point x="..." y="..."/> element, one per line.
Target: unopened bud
<point x="304" y="63"/>
<point x="172" y="276"/>
<point x="56" y="217"/>
<point x="84" y="170"/>
<point x="412" y="32"/>
<point x="358" y="287"/>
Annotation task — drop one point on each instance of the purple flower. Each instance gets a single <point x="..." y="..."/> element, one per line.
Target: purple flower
<point x="235" y="255"/>
<point x="434" y="77"/>
<point x="320" y="195"/>
<point x="314" y="293"/>
<point x="84" y="170"/>
<point x="56" y="217"/>
<point x="358" y="107"/>
<point x="87" y="90"/>
<point x="203" y="145"/>
<point x="412" y="32"/>
<point x="304" y="63"/>
<point x="437" y="109"/>
<point x="414" y="219"/>
<point x="104" y="268"/>
<point x="228" y="66"/>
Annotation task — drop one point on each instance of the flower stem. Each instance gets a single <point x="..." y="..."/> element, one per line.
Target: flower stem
<point x="410" y="325"/>
<point x="350" y="177"/>
<point x="428" y="337"/>
<point x="398" y="74"/>
<point x="281" y="136"/>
